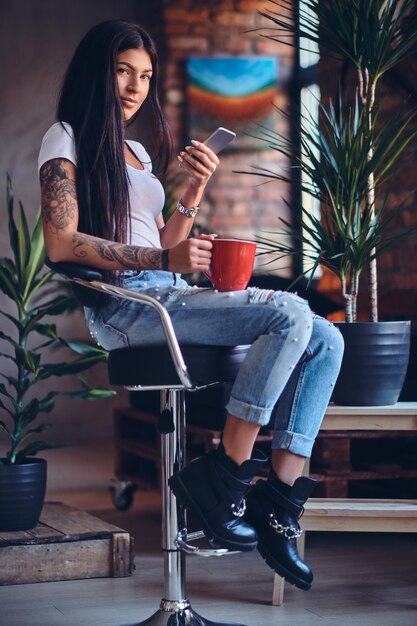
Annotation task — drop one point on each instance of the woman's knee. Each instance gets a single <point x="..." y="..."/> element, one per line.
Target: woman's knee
<point x="299" y="316"/>
<point x="327" y="338"/>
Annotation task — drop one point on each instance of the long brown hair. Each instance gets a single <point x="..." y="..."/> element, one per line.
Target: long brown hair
<point x="89" y="102"/>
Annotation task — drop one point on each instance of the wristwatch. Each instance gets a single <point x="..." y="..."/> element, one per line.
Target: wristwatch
<point x="187" y="212"/>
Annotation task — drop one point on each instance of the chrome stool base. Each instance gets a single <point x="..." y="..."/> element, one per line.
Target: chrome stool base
<point x="180" y="614"/>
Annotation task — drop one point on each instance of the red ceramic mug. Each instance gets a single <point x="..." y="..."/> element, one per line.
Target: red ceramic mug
<point x="231" y="264"/>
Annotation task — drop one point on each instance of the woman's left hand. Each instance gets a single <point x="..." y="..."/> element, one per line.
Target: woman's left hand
<point x="200" y="162"/>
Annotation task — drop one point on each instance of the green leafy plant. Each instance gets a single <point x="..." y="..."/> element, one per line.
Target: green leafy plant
<point x="36" y="295"/>
<point x="335" y="159"/>
<point x="351" y="151"/>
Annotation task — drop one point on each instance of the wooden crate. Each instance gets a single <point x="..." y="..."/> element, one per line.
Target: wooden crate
<point x="67" y="544"/>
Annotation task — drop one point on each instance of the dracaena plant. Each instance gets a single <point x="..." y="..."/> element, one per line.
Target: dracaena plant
<point x="36" y="296"/>
<point x="351" y="152"/>
<point x="334" y="168"/>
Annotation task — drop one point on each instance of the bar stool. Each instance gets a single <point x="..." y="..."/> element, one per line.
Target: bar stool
<point x="173" y="371"/>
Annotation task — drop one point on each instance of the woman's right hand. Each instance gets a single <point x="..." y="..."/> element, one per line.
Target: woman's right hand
<point x="190" y="255"/>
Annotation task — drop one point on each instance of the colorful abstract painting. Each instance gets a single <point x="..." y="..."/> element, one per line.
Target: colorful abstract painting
<point x="234" y="92"/>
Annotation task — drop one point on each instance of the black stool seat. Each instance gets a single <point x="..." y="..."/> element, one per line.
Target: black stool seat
<point x="153" y="365"/>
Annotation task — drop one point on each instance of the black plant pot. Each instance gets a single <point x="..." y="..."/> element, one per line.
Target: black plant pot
<point x="22" y="492"/>
<point x="374" y="363"/>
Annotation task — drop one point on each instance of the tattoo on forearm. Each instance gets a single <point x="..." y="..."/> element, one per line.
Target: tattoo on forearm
<point x="129" y="257"/>
<point x="59" y="195"/>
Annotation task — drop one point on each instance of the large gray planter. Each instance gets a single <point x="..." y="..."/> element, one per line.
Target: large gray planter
<point x="374" y="363"/>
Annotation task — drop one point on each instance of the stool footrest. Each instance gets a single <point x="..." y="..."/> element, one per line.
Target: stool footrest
<point x="182" y="543"/>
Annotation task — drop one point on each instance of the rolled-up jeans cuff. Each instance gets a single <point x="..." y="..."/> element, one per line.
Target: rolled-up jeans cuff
<point x="293" y="442"/>
<point x="248" y="412"/>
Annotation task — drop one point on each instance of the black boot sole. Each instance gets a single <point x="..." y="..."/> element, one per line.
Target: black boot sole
<point x="280" y="570"/>
<point x="184" y="496"/>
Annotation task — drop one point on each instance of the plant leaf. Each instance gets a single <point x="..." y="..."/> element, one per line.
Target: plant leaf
<point x="9" y="340"/>
<point x="23" y="244"/>
<point x="9" y="281"/>
<point x="80" y="347"/>
<point x="29" y="360"/>
<point x="3" y="427"/>
<point x="47" y="330"/>
<point x="95" y="393"/>
<point x="8" y="395"/>
<point x="28" y="414"/>
<point x="75" y="367"/>
<point x="13" y="234"/>
<point x="36" y="257"/>
<point x="33" y="448"/>
<point x="4" y="407"/>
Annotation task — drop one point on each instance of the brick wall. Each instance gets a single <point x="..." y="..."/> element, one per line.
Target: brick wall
<point x="234" y="204"/>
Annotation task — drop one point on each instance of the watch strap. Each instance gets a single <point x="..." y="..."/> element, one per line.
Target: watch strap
<point x="188" y="212"/>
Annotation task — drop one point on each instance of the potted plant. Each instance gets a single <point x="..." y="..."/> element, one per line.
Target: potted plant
<point x="36" y="295"/>
<point x="343" y="159"/>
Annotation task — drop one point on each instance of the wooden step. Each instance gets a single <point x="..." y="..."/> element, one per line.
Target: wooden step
<point x="361" y="515"/>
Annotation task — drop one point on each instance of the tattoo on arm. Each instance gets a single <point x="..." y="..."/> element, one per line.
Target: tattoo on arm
<point x="129" y="257"/>
<point x="59" y="195"/>
<point x="59" y="207"/>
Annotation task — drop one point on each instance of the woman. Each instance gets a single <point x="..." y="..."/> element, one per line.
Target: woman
<point x="101" y="206"/>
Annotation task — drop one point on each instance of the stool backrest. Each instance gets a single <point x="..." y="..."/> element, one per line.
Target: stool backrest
<point x="85" y="296"/>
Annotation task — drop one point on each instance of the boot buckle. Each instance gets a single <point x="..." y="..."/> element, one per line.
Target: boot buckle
<point x="239" y="511"/>
<point x="289" y="532"/>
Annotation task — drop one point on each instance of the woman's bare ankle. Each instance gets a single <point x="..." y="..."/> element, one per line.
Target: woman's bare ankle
<point x="238" y="438"/>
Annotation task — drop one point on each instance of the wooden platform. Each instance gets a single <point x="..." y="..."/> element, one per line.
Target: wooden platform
<point x="67" y="544"/>
<point x="361" y="515"/>
<point x="400" y="416"/>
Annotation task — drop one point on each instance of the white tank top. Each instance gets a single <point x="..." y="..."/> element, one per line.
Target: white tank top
<point x="146" y="193"/>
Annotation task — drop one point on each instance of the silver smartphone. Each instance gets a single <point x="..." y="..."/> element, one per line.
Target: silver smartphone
<point x="219" y="139"/>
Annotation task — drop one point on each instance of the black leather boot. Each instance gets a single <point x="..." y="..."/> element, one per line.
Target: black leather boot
<point x="273" y="509"/>
<point x="213" y="488"/>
